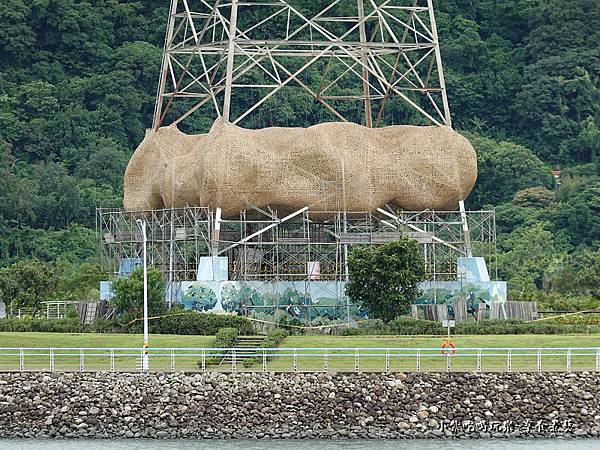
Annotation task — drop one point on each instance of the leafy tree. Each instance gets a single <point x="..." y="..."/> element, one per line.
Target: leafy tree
<point x="579" y="213"/>
<point x="129" y="294"/>
<point x="80" y="282"/>
<point x="505" y="168"/>
<point x="537" y="197"/>
<point x="526" y="253"/>
<point x="385" y="279"/>
<point x="27" y="283"/>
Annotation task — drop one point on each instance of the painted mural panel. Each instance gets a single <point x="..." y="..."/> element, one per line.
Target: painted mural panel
<point x="315" y="302"/>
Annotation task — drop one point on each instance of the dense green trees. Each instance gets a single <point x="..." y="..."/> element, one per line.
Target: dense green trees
<point x="27" y="284"/>
<point x="77" y="86"/>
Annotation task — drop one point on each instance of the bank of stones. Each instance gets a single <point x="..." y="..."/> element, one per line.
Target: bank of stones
<point x="319" y="405"/>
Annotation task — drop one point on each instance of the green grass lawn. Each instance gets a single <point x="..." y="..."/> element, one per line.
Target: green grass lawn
<point x="337" y="360"/>
<point x="105" y="340"/>
<point x="99" y="360"/>
<point x="433" y="359"/>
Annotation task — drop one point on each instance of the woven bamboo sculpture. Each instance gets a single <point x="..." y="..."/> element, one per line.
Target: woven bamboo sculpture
<point x="327" y="167"/>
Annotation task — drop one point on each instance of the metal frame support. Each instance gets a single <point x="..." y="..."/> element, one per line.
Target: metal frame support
<point x="210" y="57"/>
<point x="438" y="57"/>
<point x="203" y="361"/>
<point x="465" y="225"/>
<point x="356" y="361"/>
<point x="173" y="360"/>
<point x="264" y="360"/>
<point x="569" y="353"/>
<point x="21" y="360"/>
<point x="509" y="361"/>
<point x="165" y="66"/>
<point x="230" y="60"/>
<point x="539" y="360"/>
<point x="325" y="361"/>
<point x="598" y="360"/>
<point x="51" y="360"/>
<point x="233" y="361"/>
<point x="479" y="361"/>
<point x="418" y="368"/>
<point x="449" y="362"/>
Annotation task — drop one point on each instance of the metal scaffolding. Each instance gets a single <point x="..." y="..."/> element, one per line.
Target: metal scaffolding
<point x="220" y="55"/>
<point x="302" y="246"/>
<point x="177" y="238"/>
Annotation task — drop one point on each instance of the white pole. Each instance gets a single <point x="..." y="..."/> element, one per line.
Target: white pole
<point x="142" y="225"/>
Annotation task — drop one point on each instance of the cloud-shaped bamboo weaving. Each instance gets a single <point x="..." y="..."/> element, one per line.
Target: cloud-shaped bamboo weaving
<point x="328" y="167"/>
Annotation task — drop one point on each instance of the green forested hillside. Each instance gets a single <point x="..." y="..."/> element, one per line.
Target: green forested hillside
<point x="77" y="87"/>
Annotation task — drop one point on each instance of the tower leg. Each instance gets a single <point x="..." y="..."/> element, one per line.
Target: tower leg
<point x="465" y="225"/>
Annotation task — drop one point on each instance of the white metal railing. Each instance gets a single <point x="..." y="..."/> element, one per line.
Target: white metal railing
<point x="302" y="359"/>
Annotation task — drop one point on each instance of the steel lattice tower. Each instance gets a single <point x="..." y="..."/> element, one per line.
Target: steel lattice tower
<point x="363" y="51"/>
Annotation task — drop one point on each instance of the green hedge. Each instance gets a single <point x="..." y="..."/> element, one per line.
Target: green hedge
<point x="42" y="325"/>
<point x="408" y="326"/>
<point x="515" y="327"/>
<point x="189" y="323"/>
<point x="195" y="324"/>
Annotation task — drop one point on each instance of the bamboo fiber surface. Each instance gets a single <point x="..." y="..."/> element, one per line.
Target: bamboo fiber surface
<point x="328" y="167"/>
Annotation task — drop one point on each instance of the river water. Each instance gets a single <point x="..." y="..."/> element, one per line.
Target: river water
<point x="141" y="444"/>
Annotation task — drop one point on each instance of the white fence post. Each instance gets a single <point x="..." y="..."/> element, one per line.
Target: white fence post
<point x="387" y="360"/>
<point x="295" y="362"/>
<point x="172" y="354"/>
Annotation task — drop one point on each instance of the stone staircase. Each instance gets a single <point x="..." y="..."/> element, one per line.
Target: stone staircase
<point x="245" y="348"/>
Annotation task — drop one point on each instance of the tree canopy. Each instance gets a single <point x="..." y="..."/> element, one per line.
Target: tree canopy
<point x="78" y="82"/>
<point x="385" y="278"/>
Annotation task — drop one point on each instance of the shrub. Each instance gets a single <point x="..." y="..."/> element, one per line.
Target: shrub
<point x="178" y="322"/>
<point x="106" y="326"/>
<point x="516" y="327"/>
<point x="42" y="325"/>
<point x="404" y="325"/>
<point x="225" y="338"/>
<point x="409" y="326"/>
<point x="345" y="331"/>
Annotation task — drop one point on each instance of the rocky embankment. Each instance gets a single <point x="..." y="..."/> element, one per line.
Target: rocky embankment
<point x="211" y="405"/>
